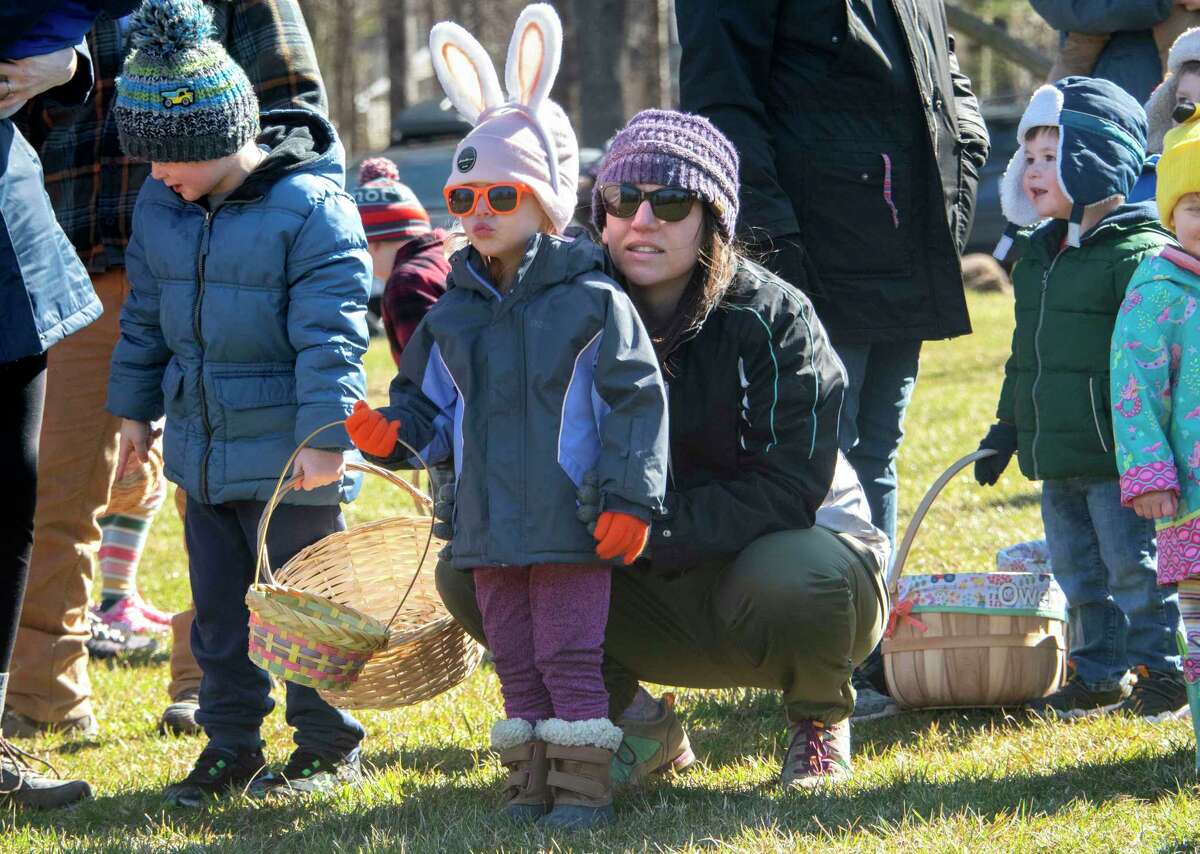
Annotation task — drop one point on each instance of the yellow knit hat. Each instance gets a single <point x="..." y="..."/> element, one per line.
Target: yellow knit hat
<point x="1179" y="167"/>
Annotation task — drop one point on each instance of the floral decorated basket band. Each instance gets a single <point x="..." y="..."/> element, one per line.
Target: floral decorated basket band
<point x="1019" y="594"/>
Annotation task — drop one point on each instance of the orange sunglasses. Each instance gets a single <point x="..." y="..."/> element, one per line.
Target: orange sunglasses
<point x="503" y="198"/>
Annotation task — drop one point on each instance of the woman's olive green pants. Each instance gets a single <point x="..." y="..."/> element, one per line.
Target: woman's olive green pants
<point x="796" y="611"/>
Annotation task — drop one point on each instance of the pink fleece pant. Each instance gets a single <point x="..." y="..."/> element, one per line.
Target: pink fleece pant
<point x="545" y="627"/>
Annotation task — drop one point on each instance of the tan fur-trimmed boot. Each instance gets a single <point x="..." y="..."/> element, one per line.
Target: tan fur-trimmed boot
<point x="526" y="797"/>
<point x="580" y="755"/>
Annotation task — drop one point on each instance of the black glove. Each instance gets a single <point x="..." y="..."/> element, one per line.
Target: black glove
<point x="588" y="496"/>
<point x="1001" y="438"/>
<point x="443" y="511"/>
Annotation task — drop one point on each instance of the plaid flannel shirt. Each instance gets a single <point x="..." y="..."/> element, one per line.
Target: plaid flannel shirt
<point x="92" y="185"/>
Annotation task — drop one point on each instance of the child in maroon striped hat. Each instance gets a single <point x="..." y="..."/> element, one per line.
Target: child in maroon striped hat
<point x="406" y="252"/>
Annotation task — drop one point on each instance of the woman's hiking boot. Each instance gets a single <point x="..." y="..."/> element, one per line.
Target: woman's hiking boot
<point x="308" y="772"/>
<point x="817" y="754"/>
<point x="580" y="755"/>
<point x="526" y="796"/>
<point x="658" y="745"/>
<point x="1157" y="696"/>
<point x="20" y="784"/>
<point x="217" y="772"/>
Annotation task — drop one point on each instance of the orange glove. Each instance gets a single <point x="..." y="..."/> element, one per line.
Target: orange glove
<point x="620" y="534"/>
<point x="371" y="432"/>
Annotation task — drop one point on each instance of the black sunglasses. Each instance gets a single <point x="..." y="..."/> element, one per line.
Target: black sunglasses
<point x="670" y="204"/>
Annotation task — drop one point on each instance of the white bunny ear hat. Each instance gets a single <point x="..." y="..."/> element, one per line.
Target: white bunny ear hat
<point x="526" y="138"/>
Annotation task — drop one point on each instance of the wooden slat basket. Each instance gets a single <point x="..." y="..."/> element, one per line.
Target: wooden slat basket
<point x="967" y="640"/>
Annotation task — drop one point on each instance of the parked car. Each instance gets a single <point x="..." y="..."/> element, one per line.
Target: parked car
<point x="424" y="137"/>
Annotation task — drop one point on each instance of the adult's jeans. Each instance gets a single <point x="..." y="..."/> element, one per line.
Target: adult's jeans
<point x="1104" y="558"/>
<point x="794" y="612"/>
<point x="22" y="390"/>
<point x="880" y="379"/>
<point x="235" y="694"/>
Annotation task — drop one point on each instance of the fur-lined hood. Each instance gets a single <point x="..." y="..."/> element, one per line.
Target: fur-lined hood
<point x="1162" y="100"/>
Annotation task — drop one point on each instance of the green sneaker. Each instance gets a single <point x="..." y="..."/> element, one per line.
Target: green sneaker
<point x="217" y="772"/>
<point x="308" y="772"/>
<point x="656" y="746"/>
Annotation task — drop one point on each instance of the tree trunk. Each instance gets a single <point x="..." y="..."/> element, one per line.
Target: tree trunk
<point x="400" y="43"/>
<point x="600" y="30"/>
<point x="345" y="77"/>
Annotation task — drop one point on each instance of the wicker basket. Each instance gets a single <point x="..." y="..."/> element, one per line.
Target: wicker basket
<point x="373" y="571"/>
<point x="971" y="640"/>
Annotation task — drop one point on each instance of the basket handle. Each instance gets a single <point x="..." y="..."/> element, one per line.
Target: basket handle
<point x="914" y="525"/>
<point x="262" y="566"/>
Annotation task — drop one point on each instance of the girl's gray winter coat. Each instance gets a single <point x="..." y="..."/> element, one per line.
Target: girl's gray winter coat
<point x="528" y="392"/>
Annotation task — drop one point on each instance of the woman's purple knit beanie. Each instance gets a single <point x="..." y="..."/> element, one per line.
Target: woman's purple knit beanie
<point x="678" y="150"/>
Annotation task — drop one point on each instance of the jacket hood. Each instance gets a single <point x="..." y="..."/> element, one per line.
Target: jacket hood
<point x="1161" y="104"/>
<point x="1101" y="148"/>
<point x="549" y="260"/>
<point x="1183" y="270"/>
<point x="297" y="141"/>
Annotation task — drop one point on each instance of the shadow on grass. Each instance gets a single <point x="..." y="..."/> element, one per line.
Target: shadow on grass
<point x="459" y="815"/>
<point x="446" y="760"/>
<point x="1019" y="501"/>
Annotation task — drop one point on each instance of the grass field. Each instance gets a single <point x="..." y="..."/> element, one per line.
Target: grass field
<point x="924" y="782"/>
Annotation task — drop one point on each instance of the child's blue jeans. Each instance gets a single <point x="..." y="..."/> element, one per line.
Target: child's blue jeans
<point x="235" y="695"/>
<point x="1104" y="558"/>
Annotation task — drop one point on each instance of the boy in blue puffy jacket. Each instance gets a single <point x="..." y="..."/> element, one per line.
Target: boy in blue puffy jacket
<point x="246" y="326"/>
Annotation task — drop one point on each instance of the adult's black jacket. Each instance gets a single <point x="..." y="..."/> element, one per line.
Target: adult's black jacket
<point x="859" y="138"/>
<point x="754" y="398"/>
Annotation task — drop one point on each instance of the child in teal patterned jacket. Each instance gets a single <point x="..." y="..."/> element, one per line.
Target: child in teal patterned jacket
<point x="1155" y="380"/>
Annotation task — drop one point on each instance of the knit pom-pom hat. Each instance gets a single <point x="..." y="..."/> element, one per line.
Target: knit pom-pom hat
<point x="1179" y="167"/>
<point x="1161" y="104"/>
<point x="674" y="149"/>
<point x="180" y="96"/>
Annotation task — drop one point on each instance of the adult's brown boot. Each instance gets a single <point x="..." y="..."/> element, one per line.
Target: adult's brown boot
<point x="580" y="755"/>
<point x="526" y="796"/>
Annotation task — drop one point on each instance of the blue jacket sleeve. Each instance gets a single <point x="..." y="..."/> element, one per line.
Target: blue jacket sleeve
<point x="141" y="354"/>
<point x="329" y="281"/>
<point x="632" y="467"/>
<point x="1102" y="16"/>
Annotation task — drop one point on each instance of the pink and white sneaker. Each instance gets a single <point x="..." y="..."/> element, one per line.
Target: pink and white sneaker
<point x="132" y="616"/>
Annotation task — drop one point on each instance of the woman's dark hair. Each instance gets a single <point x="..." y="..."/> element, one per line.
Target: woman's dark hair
<point x="717" y="262"/>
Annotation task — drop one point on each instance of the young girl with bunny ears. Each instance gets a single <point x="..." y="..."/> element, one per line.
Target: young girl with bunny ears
<point x="532" y="372"/>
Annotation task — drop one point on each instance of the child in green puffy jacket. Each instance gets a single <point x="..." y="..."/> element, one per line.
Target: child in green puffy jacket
<point x="1083" y="145"/>
<point x="1156" y="391"/>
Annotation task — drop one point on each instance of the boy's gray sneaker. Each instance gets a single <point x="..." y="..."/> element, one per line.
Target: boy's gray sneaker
<point x="179" y="718"/>
<point x="23" y="786"/>
<point x="1157" y="697"/>
<point x="15" y="725"/>
<point x="1076" y="700"/>
<point x="870" y="704"/>
<point x="307" y="772"/>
